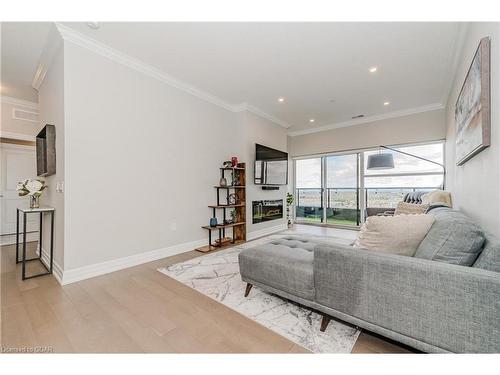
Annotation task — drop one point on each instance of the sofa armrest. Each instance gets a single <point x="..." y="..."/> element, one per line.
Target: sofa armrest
<point x="452" y="307"/>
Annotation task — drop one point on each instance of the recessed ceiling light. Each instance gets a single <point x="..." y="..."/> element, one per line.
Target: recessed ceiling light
<point x="386" y="103"/>
<point x="281" y="99"/>
<point x="93" y="25"/>
<point x="311" y="120"/>
<point x="373" y="69"/>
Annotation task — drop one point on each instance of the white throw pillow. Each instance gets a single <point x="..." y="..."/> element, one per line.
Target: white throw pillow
<point x="410" y="208"/>
<point x="399" y="235"/>
<point x="437" y="196"/>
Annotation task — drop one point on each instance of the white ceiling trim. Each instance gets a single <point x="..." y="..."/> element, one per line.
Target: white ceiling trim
<point x="250" y="108"/>
<point x="19" y="102"/>
<point x="365" y="120"/>
<point x="104" y="50"/>
<point x="52" y="45"/>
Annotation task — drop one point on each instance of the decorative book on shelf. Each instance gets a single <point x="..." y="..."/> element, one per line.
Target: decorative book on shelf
<point x="229" y="198"/>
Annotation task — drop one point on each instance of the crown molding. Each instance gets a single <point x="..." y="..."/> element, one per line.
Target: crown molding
<point x="19" y="102"/>
<point x="52" y="45"/>
<point x="366" y="120"/>
<point x="257" y="111"/>
<point x="457" y="54"/>
<point x="104" y="50"/>
<point x="72" y="36"/>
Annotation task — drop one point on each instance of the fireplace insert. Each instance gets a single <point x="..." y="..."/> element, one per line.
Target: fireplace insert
<point x="267" y="210"/>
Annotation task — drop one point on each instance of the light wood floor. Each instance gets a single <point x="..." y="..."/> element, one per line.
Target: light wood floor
<point x="134" y="310"/>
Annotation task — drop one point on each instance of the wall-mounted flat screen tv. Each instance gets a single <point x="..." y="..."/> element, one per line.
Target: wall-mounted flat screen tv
<point x="46" y="151"/>
<point x="271" y="166"/>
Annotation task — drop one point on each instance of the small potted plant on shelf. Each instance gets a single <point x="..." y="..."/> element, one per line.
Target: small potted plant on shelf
<point x="32" y="188"/>
<point x="233" y="216"/>
<point x="289" y="202"/>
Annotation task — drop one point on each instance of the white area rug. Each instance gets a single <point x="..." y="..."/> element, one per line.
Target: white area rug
<point x="217" y="276"/>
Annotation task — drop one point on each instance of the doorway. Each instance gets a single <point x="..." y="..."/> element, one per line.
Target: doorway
<point x="18" y="163"/>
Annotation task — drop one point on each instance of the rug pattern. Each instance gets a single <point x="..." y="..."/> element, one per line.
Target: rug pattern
<point x="217" y="276"/>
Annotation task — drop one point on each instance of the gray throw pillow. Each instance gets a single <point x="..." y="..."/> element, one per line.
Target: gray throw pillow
<point x="490" y="256"/>
<point x="454" y="238"/>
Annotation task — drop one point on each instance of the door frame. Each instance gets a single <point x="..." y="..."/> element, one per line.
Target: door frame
<point x="7" y="238"/>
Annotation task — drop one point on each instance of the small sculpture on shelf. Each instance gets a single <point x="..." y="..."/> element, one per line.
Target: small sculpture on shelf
<point x="232" y="199"/>
<point x="223" y="181"/>
<point x="227" y="164"/>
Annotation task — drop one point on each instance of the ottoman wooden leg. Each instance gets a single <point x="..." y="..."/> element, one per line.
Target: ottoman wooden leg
<point x="324" y="322"/>
<point x="247" y="290"/>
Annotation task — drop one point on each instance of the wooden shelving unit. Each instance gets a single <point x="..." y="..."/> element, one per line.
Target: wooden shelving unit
<point x="238" y="228"/>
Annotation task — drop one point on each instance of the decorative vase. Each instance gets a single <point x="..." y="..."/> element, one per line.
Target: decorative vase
<point x="34" y="201"/>
<point x="213" y="222"/>
<point x="223" y="182"/>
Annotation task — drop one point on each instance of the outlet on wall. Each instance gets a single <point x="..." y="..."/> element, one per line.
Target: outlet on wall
<point x="60" y="186"/>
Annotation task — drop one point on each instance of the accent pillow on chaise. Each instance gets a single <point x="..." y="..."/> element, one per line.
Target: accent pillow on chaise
<point x="437" y="196"/>
<point x="399" y="235"/>
<point x="404" y="208"/>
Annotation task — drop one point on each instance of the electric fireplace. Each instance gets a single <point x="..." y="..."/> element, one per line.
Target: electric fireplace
<point x="267" y="210"/>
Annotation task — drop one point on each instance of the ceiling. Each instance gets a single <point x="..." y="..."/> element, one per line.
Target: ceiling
<point x="21" y="46"/>
<point x="320" y="69"/>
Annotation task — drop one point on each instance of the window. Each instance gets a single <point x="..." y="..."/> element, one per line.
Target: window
<point x="385" y="188"/>
<point x="334" y="189"/>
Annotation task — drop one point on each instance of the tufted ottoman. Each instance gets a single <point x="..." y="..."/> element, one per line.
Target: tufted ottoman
<point x="285" y="264"/>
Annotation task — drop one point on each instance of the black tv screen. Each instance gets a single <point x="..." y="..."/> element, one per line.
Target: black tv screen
<point x="271" y="166"/>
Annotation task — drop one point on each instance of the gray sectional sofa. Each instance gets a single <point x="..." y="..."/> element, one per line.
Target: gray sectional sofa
<point x="444" y="299"/>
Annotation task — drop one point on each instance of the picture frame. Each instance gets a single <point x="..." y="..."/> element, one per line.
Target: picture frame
<point x="472" y="108"/>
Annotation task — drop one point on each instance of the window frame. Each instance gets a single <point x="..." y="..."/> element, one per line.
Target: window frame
<point x="362" y="201"/>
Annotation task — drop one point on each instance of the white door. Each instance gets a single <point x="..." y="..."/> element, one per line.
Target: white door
<point x="18" y="163"/>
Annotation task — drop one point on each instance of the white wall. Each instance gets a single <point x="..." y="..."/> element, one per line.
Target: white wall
<point x="142" y="158"/>
<point x="421" y="127"/>
<point x="51" y="104"/>
<point x="475" y="186"/>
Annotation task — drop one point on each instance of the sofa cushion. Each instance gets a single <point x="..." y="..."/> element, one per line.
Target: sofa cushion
<point x="399" y="235"/>
<point x="287" y="268"/>
<point x="454" y="238"/>
<point x="489" y="259"/>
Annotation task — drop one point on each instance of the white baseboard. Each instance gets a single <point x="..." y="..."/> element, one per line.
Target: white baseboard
<point x="93" y="270"/>
<point x="86" y="272"/>
<point x="266" y="231"/>
<point x="10" y="239"/>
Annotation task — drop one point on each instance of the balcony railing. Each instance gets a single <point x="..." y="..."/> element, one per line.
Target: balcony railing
<point x="342" y="204"/>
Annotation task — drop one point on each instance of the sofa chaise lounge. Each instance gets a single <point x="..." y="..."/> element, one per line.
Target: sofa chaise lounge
<point x="428" y="301"/>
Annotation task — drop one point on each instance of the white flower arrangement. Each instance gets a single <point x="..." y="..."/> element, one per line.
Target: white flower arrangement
<point x="30" y="187"/>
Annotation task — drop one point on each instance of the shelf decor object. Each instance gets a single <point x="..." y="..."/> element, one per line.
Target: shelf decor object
<point x="235" y="196"/>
